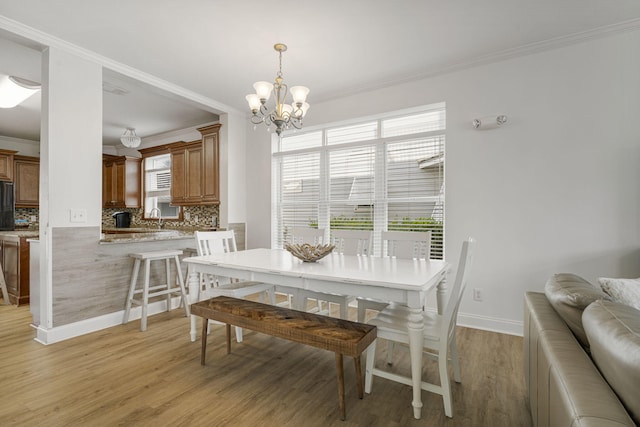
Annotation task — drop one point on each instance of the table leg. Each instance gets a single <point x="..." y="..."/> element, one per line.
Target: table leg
<point x="416" y="341"/>
<point x="441" y="294"/>
<point x="205" y="325"/>
<point x="194" y="296"/>
<point x="228" y="329"/>
<point x="356" y="360"/>
<point x="340" y="375"/>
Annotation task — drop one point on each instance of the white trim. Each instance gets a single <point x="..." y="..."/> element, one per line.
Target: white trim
<point x="493" y="324"/>
<point x="486" y="323"/>
<point x="52" y="41"/>
<point x="527" y="49"/>
<point x="53" y="335"/>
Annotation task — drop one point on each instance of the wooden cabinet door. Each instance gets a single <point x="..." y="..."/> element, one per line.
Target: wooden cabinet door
<point x="27" y="181"/>
<point x="194" y="174"/>
<point x="108" y="190"/>
<point x="120" y="182"/>
<point x="210" y="164"/>
<point x="186" y="174"/>
<point x="178" y="173"/>
<point x="10" y="267"/>
<point x="6" y="164"/>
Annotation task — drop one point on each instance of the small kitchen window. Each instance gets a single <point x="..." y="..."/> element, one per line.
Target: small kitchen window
<point x="157" y="188"/>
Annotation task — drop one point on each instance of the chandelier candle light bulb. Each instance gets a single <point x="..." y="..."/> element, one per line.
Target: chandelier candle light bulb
<point x="283" y="115"/>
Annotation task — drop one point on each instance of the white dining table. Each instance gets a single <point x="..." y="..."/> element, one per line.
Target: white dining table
<point x="383" y="278"/>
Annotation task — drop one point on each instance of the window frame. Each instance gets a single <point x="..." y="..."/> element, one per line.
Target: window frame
<point x="380" y="206"/>
<point x="146" y="154"/>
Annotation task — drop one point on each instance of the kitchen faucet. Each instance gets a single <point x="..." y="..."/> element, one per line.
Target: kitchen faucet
<point x="160" y="222"/>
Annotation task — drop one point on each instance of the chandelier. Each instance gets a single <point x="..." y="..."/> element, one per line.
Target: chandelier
<point x="129" y="138"/>
<point x="283" y="115"/>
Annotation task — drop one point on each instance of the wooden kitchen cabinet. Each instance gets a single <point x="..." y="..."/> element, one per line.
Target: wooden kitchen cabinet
<point x="27" y="181"/>
<point x="6" y="164"/>
<point x="186" y="173"/>
<point x="210" y="162"/>
<point x="120" y="181"/>
<point x="15" y="265"/>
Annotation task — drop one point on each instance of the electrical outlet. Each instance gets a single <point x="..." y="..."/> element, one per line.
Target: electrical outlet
<point x="195" y="218"/>
<point x="77" y="215"/>
<point x="477" y="294"/>
<point x="33" y="218"/>
<point x="187" y="216"/>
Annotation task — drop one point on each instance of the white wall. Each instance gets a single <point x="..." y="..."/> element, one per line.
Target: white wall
<point x="24" y="147"/>
<point x="71" y="136"/>
<point x="554" y="190"/>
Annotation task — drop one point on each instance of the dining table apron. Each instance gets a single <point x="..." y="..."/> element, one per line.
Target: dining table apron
<point x="383" y="278"/>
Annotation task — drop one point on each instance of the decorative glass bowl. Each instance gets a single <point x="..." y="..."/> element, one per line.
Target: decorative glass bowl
<point x="307" y="252"/>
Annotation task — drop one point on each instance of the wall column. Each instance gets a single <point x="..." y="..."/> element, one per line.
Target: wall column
<point x="70" y="160"/>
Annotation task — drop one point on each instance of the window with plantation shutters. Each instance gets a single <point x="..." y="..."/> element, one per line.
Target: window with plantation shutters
<point x="157" y="187"/>
<point x="378" y="174"/>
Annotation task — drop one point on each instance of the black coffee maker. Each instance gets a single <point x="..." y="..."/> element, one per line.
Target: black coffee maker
<point x="123" y="219"/>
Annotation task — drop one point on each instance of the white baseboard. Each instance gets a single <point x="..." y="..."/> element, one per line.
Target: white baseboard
<point x="493" y="324"/>
<point x="72" y="330"/>
<point x="60" y="333"/>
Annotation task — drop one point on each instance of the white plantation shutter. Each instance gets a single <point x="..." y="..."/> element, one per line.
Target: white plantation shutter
<point x="382" y="174"/>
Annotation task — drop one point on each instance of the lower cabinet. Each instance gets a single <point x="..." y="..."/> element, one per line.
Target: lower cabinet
<point x="15" y="265"/>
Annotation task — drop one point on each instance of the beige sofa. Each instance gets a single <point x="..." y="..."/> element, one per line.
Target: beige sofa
<point x="564" y="384"/>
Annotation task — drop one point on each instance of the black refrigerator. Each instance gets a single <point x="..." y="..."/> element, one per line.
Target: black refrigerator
<point x="7" y="206"/>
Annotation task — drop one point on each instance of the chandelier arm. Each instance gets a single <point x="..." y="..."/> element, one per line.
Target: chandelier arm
<point x="256" y="119"/>
<point x="282" y="115"/>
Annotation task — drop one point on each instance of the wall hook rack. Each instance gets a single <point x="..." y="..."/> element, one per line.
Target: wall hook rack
<point x="489" y="122"/>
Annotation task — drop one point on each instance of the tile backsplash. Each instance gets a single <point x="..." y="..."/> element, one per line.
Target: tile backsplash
<point x="27" y="214"/>
<point x="199" y="216"/>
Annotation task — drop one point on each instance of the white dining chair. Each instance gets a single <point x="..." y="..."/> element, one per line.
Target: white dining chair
<point x="212" y="242"/>
<point x="399" y="244"/>
<point x="439" y="335"/>
<point x="346" y="242"/>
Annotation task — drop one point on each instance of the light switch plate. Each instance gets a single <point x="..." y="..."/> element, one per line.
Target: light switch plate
<point x="77" y="215"/>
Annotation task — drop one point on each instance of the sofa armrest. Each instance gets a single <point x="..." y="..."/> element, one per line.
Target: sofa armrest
<point x="565" y="388"/>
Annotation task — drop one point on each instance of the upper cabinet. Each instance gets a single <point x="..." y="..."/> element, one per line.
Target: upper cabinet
<point x="6" y="164"/>
<point x="186" y="173"/>
<point x="195" y="170"/>
<point x="210" y="158"/>
<point x="120" y="181"/>
<point x="27" y="181"/>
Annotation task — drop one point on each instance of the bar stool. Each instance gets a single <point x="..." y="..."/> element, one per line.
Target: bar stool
<point x="3" y="285"/>
<point x="155" y="290"/>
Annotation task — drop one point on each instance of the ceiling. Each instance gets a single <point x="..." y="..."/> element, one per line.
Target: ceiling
<point x="217" y="48"/>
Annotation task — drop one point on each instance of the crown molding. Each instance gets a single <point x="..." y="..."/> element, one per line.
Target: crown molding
<point x="502" y="55"/>
<point x="45" y="40"/>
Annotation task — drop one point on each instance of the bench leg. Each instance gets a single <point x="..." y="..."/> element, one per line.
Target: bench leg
<point x="228" y="338"/>
<point x="340" y="372"/>
<point x="205" y="325"/>
<point x="359" y="377"/>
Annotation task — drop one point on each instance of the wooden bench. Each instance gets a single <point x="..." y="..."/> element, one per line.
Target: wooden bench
<point x="328" y="333"/>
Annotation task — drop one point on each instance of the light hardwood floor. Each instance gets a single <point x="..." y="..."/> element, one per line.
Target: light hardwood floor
<point x="124" y="377"/>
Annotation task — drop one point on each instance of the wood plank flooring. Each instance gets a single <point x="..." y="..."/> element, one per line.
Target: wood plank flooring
<point x="124" y="377"/>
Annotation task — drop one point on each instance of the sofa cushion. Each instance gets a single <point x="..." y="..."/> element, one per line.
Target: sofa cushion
<point x="624" y="291"/>
<point x="569" y="295"/>
<point x="613" y="330"/>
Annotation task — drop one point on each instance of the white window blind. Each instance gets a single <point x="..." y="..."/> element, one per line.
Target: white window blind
<point x="157" y="186"/>
<point x="378" y="175"/>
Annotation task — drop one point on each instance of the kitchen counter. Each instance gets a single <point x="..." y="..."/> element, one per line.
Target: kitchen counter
<point x="133" y="235"/>
<point x="22" y="232"/>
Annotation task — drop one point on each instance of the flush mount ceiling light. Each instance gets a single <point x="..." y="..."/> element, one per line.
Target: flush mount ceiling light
<point x="14" y="90"/>
<point x="129" y="138"/>
<point x="282" y="115"/>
